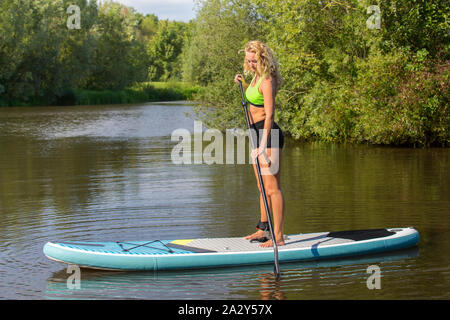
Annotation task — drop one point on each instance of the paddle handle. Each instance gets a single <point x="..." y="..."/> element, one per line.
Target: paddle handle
<point x="263" y="191"/>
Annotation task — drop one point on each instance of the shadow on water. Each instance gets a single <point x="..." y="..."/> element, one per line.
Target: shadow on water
<point x="245" y="282"/>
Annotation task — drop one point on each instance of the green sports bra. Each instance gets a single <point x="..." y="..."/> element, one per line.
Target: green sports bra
<point x="253" y="95"/>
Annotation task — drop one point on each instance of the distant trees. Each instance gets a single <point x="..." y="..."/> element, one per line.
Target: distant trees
<point x="119" y="57"/>
<point x="39" y="57"/>
<point x="42" y="60"/>
<point x="164" y="51"/>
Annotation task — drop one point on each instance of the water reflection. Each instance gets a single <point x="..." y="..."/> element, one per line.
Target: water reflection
<point x="255" y="282"/>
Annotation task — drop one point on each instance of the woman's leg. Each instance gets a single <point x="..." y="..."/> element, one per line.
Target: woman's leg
<point x="263" y="217"/>
<point x="271" y="178"/>
<point x="274" y="195"/>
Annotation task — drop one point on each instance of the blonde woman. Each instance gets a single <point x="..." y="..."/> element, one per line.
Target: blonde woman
<point x="260" y="94"/>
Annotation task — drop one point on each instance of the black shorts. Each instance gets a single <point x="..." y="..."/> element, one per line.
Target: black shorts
<point x="257" y="132"/>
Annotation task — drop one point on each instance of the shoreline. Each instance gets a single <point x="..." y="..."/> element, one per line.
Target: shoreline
<point x="138" y="93"/>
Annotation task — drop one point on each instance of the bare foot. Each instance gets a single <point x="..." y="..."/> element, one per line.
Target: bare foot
<point x="258" y="234"/>
<point x="269" y="243"/>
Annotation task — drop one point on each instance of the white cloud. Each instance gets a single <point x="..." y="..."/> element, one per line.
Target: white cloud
<point x="180" y="10"/>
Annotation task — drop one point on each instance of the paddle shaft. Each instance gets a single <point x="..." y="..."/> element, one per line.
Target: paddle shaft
<point x="263" y="191"/>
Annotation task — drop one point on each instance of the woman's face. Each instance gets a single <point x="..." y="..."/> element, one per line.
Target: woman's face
<point x="251" y="60"/>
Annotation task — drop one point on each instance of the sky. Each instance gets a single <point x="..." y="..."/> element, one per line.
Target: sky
<point x="179" y="10"/>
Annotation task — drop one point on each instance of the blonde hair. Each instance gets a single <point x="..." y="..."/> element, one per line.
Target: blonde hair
<point x="267" y="64"/>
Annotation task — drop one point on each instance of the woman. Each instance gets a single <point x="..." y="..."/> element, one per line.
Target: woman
<point x="260" y="94"/>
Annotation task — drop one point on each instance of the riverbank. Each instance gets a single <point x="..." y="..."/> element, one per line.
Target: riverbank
<point x="140" y="92"/>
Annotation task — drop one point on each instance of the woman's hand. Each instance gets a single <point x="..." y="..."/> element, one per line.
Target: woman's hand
<point x="256" y="153"/>
<point x="239" y="78"/>
<point x="260" y="151"/>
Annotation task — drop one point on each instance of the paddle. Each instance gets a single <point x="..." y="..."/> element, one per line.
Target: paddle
<point x="263" y="191"/>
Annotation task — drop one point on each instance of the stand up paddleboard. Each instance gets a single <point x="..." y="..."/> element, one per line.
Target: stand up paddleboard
<point x="223" y="252"/>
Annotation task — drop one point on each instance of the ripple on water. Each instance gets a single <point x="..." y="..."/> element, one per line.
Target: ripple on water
<point x="105" y="173"/>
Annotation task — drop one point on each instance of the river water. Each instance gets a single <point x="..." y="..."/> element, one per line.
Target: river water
<point x="105" y="173"/>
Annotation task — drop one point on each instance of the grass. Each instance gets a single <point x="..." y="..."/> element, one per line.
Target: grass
<point x="140" y="92"/>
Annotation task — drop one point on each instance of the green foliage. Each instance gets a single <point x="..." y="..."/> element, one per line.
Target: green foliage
<point x="416" y="24"/>
<point x="164" y="51"/>
<point x="37" y="58"/>
<point x="147" y="26"/>
<point x="119" y="58"/>
<point x="42" y="61"/>
<point x="140" y="92"/>
<point x="212" y="57"/>
<point x="344" y="80"/>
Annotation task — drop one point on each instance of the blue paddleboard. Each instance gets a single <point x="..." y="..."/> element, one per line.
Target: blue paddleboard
<point x="223" y="252"/>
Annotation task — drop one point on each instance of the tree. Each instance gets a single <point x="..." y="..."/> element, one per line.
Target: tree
<point x="119" y="58"/>
<point x="213" y="55"/>
<point x="39" y="57"/>
<point x="164" y="50"/>
<point x="147" y="27"/>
